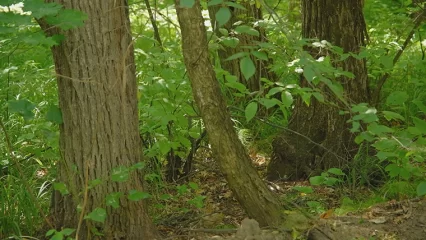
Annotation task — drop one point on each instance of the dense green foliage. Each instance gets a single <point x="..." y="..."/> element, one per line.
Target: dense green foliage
<point x="391" y="134"/>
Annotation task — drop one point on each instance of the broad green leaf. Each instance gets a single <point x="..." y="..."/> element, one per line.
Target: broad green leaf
<point x="275" y="90"/>
<point x="247" y="67"/>
<point x="61" y="187"/>
<point x="54" y="115"/>
<point x="387" y="61"/>
<point x="237" y="85"/>
<point x="303" y="189"/>
<point x="187" y="3"/>
<point x="260" y="55"/>
<point x="251" y="111"/>
<point x="135" y="195"/>
<point x="120" y="174"/>
<point x="23" y="107"/>
<point x="67" y="231"/>
<point x="223" y="16"/>
<point x="237" y="55"/>
<point x="420" y="124"/>
<point x="113" y="199"/>
<point x="94" y="183"/>
<point x="317" y="180"/>
<point x="57" y="236"/>
<point x="97" y="215"/>
<point x="193" y="185"/>
<point x="378" y="129"/>
<point x="214" y="2"/>
<point x="268" y="103"/>
<point x="165" y="196"/>
<point x="139" y="166"/>
<point x="420" y="105"/>
<point x="318" y="96"/>
<point x="421" y="189"/>
<point x="392" y="115"/>
<point x="67" y="19"/>
<point x="336" y="171"/>
<point x="39" y="8"/>
<point x="309" y="73"/>
<point x="235" y="5"/>
<point x="397" y="98"/>
<point x="286" y="98"/>
<point x="50" y="232"/>
<point x="231" y="42"/>
<point x="247" y="30"/>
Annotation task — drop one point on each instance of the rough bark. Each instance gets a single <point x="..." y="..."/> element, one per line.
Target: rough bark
<point x="98" y="99"/>
<point x="247" y="43"/>
<point x="249" y="189"/>
<point x="331" y="144"/>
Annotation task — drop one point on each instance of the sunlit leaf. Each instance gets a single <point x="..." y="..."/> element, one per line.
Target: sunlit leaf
<point x="251" y="111"/>
<point x="223" y="16"/>
<point x="97" y="215"/>
<point x="247" y="67"/>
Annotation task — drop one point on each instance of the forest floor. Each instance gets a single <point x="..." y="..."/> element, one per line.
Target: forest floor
<point x="326" y="216"/>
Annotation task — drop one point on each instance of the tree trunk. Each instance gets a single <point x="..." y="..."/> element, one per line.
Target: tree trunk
<point x="247" y="43"/>
<point x="249" y="189"/>
<point x="331" y="144"/>
<point x="97" y="96"/>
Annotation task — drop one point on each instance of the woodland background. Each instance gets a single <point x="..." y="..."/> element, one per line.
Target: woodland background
<point x="144" y="119"/>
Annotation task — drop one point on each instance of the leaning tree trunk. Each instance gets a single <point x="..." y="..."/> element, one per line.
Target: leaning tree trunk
<point x="247" y="43"/>
<point x="98" y="99"/>
<point x="249" y="189"/>
<point x="331" y="144"/>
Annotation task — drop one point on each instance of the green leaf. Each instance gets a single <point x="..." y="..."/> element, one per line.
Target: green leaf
<point x="68" y="231"/>
<point x="237" y="85"/>
<point x="420" y="124"/>
<point x="336" y="171"/>
<point x="287" y="99"/>
<point x="247" y="30"/>
<point x="94" y="183"/>
<point x="317" y="180"/>
<point x="67" y="19"/>
<point x="193" y="185"/>
<point x="135" y="195"/>
<point x="97" y="215"/>
<point x="235" y="5"/>
<point x="50" y="232"/>
<point x="387" y="61"/>
<point x="251" y="111"/>
<point x="397" y="98"/>
<point x="237" y="55"/>
<point x="275" y="90"/>
<point x="378" y="129"/>
<point x="54" y="115"/>
<point x="309" y="73"/>
<point x="57" y="236"/>
<point x="268" y="103"/>
<point x="421" y="189"/>
<point x="247" y="67"/>
<point x="420" y="105"/>
<point x="260" y="55"/>
<point x="113" y="199"/>
<point x="23" y="107"/>
<point x="223" y="16"/>
<point x="39" y="8"/>
<point x="214" y="2"/>
<point x="231" y="42"/>
<point x="120" y="174"/>
<point x="318" y="96"/>
<point x="165" y="196"/>
<point x="61" y="187"/>
<point x="187" y="3"/>
<point x="303" y="189"/>
<point x="392" y="115"/>
<point x="139" y="166"/>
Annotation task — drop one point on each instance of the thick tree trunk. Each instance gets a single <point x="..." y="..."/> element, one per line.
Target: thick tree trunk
<point x="97" y="96"/>
<point x="331" y="144"/>
<point x="249" y="189"/>
<point x="247" y="43"/>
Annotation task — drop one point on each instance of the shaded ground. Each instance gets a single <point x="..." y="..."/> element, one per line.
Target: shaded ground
<point x="221" y="216"/>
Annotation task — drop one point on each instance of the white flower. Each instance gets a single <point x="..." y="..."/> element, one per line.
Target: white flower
<point x="15" y="8"/>
<point x="318" y="44"/>
<point x="320" y="59"/>
<point x="298" y="70"/>
<point x="424" y="43"/>
<point x="291" y="64"/>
